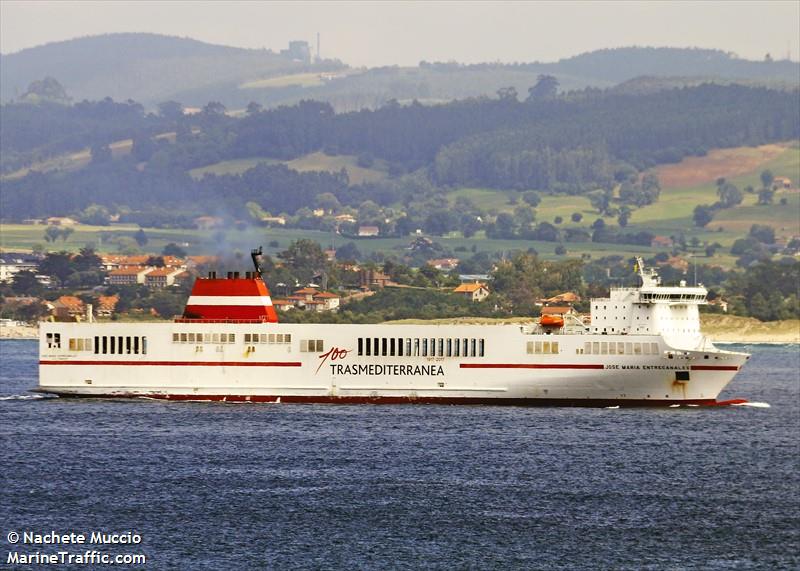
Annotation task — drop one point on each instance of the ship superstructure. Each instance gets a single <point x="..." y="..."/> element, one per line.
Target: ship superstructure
<point x="643" y="346"/>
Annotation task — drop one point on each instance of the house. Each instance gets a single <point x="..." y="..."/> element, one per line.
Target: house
<point x="373" y="278"/>
<point x="661" y="242"/>
<point x="208" y="222"/>
<point x="67" y="308"/>
<point x="282" y="304"/>
<point x="61" y="221"/>
<point x="128" y="276"/>
<point x="329" y="300"/>
<point x="445" y="264"/>
<point x="106" y="305"/>
<point x="368" y="231"/>
<point x="306" y="293"/>
<point x="161" y="277"/>
<point x="12" y="263"/>
<point x="274" y="220"/>
<point x="473" y="292"/>
<point x="781" y="182"/>
<point x="345" y="218"/>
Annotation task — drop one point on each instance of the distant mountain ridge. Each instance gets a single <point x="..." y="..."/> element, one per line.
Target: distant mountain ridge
<point x="151" y="68"/>
<point x="145" y="67"/>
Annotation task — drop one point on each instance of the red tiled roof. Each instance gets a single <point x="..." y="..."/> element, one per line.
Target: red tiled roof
<point x="469" y="288"/>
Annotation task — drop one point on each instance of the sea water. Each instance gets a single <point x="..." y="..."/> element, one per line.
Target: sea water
<point x="246" y="486"/>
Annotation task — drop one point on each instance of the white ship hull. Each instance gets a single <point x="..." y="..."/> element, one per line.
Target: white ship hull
<point x="449" y="364"/>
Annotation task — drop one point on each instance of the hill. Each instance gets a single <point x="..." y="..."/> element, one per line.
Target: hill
<point x="148" y="68"/>
<point x="152" y="68"/>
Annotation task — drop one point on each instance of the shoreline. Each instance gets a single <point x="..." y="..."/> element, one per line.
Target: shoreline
<point x="722" y="329"/>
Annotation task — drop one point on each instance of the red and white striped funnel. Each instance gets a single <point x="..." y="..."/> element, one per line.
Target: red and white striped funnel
<point x="233" y="298"/>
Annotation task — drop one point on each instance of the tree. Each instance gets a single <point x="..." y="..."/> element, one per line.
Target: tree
<point x="348" y="252"/>
<point x="558" y="220"/>
<point x="729" y="195"/>
<point x="52" y="233"/>
<point x="57" y="265"/>
<point x="763" y="233"/>
<point x="25" y="282"/>
<point x="532" y="198"/>
<point x="767" y="178"/>
<point x="328" y="202"/>
<point x="766" y="196"/>
<point x="66" y="233"/>
<point x="624" y="216"/>
<point x="87" y="260"/>
<point x="101" y="153"/>
<point x="576" y="217"/>
<point x="214" y="108"/>
<point x="96" y="215"/>
<point x="507" y="93"/>
<point x="546" y="88"/>
<point x="703" y="214"/>
<point x="141" y="238"/>
<point x="170" y="110"/>
<point x="254" y="108"/>
<point x="560" y="250"/>
<point x="172" y="249"/>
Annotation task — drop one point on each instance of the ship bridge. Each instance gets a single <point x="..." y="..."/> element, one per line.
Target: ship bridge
<point x="652" y="309"/>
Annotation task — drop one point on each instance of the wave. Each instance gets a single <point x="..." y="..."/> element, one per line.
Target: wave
<point x="27" y="397"/>
<point x="753" y="404"/>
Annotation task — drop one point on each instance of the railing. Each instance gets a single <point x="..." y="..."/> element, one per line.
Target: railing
<point x="191" y="320"/>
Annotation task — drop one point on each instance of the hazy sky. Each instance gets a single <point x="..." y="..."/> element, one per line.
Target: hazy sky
<point x="381" y="33"/>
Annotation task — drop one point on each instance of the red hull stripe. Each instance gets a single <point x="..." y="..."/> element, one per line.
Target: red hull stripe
<point x="714" y="368"/>
<point x="181" y="363"/>
<point x="298" y="399"/>
<point x="526" y="366"/>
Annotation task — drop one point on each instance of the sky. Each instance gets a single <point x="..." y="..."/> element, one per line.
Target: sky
<point x="372" y="34"/>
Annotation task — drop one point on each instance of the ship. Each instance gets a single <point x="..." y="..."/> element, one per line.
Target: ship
<point x="641" y="346"/>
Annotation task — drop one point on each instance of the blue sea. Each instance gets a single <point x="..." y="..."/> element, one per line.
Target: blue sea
<point x="245" y="486"/>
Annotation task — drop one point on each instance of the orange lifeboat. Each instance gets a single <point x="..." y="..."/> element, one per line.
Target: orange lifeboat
<point x="551" y="321"/>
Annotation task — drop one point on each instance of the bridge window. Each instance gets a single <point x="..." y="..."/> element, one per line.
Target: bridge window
<point x="311" y="346"/>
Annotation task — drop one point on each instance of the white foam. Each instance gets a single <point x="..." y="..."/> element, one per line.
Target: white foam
<point x="26" y="397"/>
<point x="617" y="406"/>
<point x="752" y="404"/>
<point x="674" y="406"/>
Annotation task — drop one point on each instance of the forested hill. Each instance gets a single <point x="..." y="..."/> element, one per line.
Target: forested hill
<point x="587" y="142"/>
<point x="148" y="68"/>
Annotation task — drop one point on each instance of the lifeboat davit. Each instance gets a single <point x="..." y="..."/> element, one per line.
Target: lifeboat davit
<point x="551" y="321"/>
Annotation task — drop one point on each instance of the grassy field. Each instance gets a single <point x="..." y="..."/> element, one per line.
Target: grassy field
<point x="310" y="162"/>
<point x="298" y="79"/>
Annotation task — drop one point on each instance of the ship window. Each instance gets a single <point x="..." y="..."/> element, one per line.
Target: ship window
<point x="73" y="345"/>
<point x="191" y="337"/>
<point x="375" y="347"/>
<point x="271" y="338"/>
<point x="399" y="347"/>
<point x="247" y="338"/>
<point x="223" y="337"/>
<point x="646" y="348"/>
<point x="360" y="346"/>
<point x="587" y="348"/>
<point x="392" y="346"/>
<point x="424" y="347"/>
<point x="320" y="346"/>
<point x="481" y="347"/>
<point x="628" y="348"/>
<point x="176" y="337"/>
<point x="96" y="345"/>
<point x="654" y="348"/>
<point x="136" y="345"/>
<point x="554" y="347"/>
<point x="79" y="344"/>
<point x="416" y="347"/>
<point x="472" y="347"/>
<point x="637" y="348"/>
<point x="457" y="348"/>
<point x="546" y="347"/>
<point x="596" y="347"/>
<point x="529" y="347"/>
<point x="112" y="345"/>
<point x="183" y="337"/>
<point x="621" y="348"/>
<point x="433" y="347"/>
<point x="604" y="348"/>
<point x="383" y="347"/>
<point x="449" y="347"/>
<point x="538" y="347"/>
<point x="440" y="350"/>
<point x="119" y="345"/>
<point x="367" y="348"/>
<point x="128" y="345"/>
<point x="105" y="345"/>
<point x="144" y="345"/>
<point x="287" y="337"/>
<point x="612" y="348"/>
<point x="215" y="337"/>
